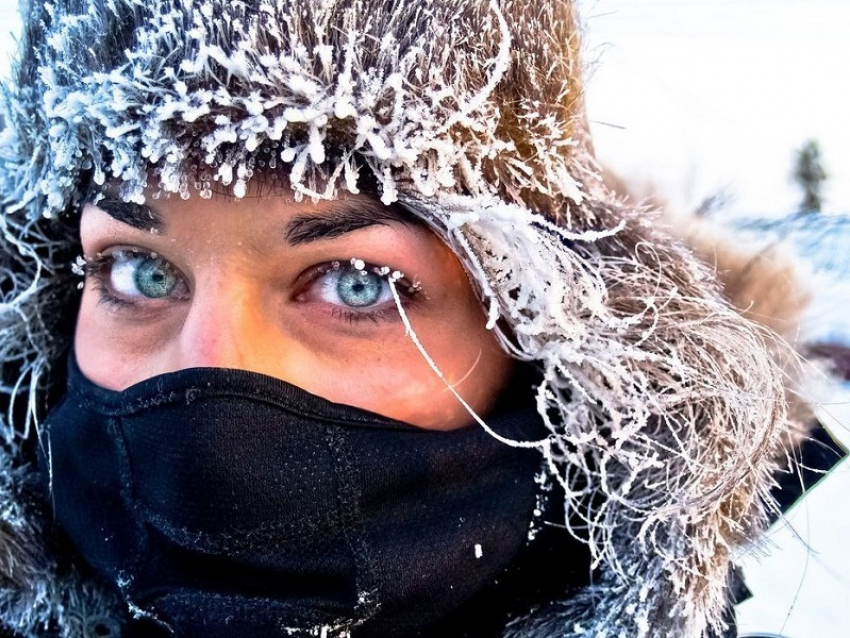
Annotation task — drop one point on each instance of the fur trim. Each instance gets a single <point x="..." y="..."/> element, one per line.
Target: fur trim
<point x="439" y="94"/>
<point x="766" y="288"/>
<point x="664" y="405"/>
<point x="663" y="446"/>
<point x="38" y="597"/>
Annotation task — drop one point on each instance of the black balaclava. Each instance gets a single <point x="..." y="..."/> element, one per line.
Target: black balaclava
<point x="228" y="503"/>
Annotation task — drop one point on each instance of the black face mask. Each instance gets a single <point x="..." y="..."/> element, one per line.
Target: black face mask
<point x="228" y="503"/>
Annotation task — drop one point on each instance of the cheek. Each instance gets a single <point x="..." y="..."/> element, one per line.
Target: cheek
<point x="110" y="353"/>
<point x="115" y="351"/>
<point x="100" y="353"/>
<point x="396" y="381"/>
<point x="474" y="366"/>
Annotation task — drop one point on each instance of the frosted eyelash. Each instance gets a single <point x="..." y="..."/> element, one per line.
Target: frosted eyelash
<point x="388" y="274"/>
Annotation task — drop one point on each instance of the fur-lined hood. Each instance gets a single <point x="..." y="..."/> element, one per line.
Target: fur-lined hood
<point x="664" y="405"/>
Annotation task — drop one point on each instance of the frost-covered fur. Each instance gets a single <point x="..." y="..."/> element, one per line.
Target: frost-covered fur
<point x="664" y="405"/>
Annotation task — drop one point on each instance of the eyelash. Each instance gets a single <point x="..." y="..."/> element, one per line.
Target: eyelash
<point x="98" y="270"/>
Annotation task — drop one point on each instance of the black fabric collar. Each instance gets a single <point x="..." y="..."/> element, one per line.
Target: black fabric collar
<point x="223" y="502"/>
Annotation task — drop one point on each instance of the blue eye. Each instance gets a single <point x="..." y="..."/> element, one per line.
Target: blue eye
<point x="359" y="289"/>
<point x="138" y="275"/>
<point x="352" y="287"/>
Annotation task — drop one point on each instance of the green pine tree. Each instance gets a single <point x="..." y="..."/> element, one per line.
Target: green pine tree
<point x="810" y="175"/>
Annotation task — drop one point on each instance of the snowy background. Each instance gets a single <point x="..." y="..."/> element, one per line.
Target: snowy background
<point x="698" y="97"/>
<point x="692" y="98"/>
<point x="800" y="576"/>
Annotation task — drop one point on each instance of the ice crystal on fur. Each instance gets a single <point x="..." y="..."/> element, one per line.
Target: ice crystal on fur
<point x="323" y="101"/>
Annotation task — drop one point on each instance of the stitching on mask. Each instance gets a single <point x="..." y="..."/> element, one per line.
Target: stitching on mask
<point x="367" y="580"/>
<point x="271" y="535"/>
<point x="116" y="429"/>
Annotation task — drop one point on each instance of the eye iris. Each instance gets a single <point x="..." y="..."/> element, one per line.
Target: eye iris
<point x="359" y="289"/>
<point x="153" y="279"/>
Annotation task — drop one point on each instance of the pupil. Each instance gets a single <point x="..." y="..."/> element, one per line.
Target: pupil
<point x="358" y="290"/>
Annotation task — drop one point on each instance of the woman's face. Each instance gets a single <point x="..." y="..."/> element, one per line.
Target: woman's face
<point x="266" y="284"/>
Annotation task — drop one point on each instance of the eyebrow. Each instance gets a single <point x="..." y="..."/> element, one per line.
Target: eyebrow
<point x="136" y="215"/>
<point x="347" y="216"/>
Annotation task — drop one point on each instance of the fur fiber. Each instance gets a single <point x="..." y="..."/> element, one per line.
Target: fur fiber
<point x="665" y="406"/>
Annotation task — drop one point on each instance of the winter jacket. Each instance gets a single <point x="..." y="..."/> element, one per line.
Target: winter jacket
<point x="665" y="407"/>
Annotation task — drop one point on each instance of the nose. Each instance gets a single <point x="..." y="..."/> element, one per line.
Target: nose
<point x="221" y="328"/>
